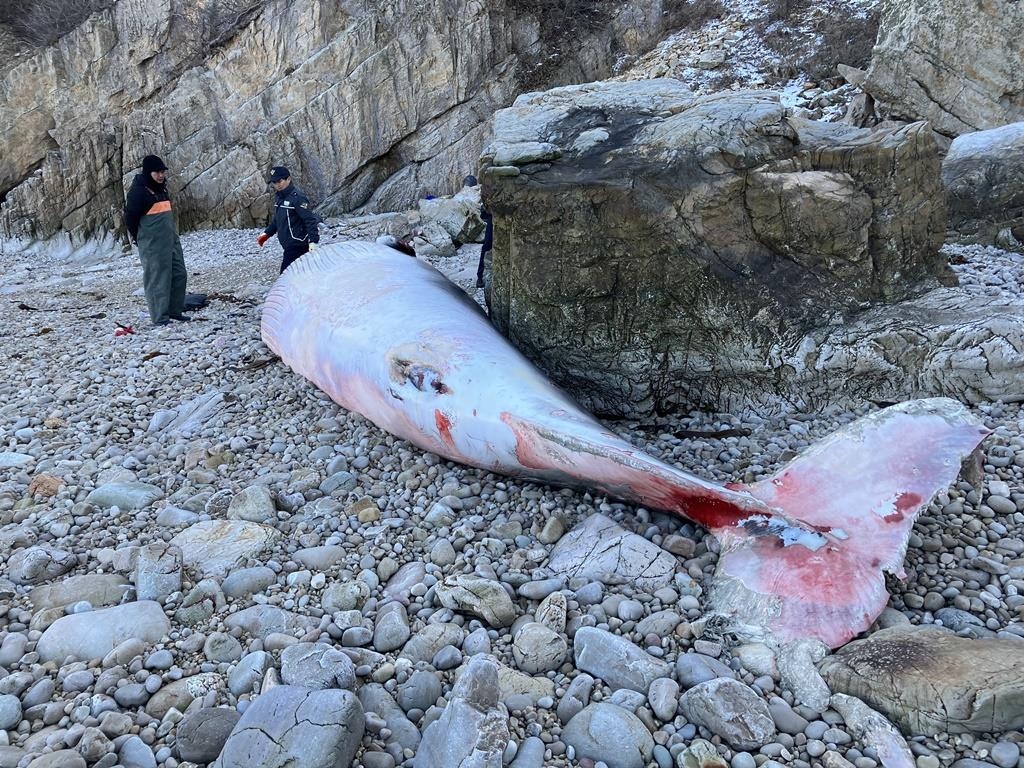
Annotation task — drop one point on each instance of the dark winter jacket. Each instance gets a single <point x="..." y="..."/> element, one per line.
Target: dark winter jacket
<point x="142" y="196"/>
<point x="293" y="221"/>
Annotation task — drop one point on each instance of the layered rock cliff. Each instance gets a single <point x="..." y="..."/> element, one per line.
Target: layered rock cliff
<point x="958" y="65"/>
<point x="370" y="103"/>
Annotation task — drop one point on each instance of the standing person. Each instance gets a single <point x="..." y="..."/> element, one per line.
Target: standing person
<point x="485" y="247"/>
<point x="293" y="221"/>
<point x="150" y="223"/>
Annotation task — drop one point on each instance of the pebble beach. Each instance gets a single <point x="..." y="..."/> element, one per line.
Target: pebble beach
<point x="188" y="528"/>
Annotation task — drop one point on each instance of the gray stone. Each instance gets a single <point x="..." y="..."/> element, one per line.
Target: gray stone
<point x="731" y="710"/>
<point x="610" y="734"/>
<point x="98" y="589"/>
<point x="173" y="517"/>
<point x="10" y="459"/>
<point x="62" y="758"/>
<point x="424" y="644"/>
<point x="10" y="711"/>
<point x="93" y="746"/>
<point x="10" y="756"/>
<point x="316" y="665"/>
<point x="134" y="753"/>
<point x="247" y="674"/>
<point x="577" y="696"/>
<point x="319" y="558"/>
<point x="93" y="635"/>
<point x="391" y="629"/>
<point x="38" y="564"/>
<point x="12" y="648"/>
<point x="124" y="494"/>
<point x="956" y="620"/>
<point x="375" y="698"/>
<point x="447" y="657"/>
<point x="616" y="660"/>
<point x="530" y="754"/>
<point x="262" y="620"/>
<point x="180" y="693"/>
<point x="661" y="623"/>
<point x="786" y="720"/>
<point x="983" y="173"/>
<point x="481" y="597"/>
<point x="664" y="698"/>
<point x="246" y="581"/>
<point x="157" y="571"/>
<point x="255" y="504"/>
<point x="918" y="70"/>
<point x="222" y="647"/>
<point x="1005" y="754"/>
<point x="420" y="691"/>
<point x="598" y="547"/>
<point x="537" y="649"/>
<point x="472" y="730"/>
<point x="201" y="735"/>
<point x="347" y="596"/>
<point x="291" y="725"/>
<point x="695" y="668"/>
<point x="214" y="547"/>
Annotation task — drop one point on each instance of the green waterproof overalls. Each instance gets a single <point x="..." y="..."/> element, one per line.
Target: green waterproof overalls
<point x="163" y="264"/>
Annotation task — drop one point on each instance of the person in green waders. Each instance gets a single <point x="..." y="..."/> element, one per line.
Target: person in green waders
<point x="150" y="222"/>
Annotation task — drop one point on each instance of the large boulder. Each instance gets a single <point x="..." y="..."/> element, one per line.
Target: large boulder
<point x="367" y="104"/>
<point x="653" y="248"/>
<point x="984" y="177"/>
<point x="957" y="65"/>
<point x="928" y="680"/>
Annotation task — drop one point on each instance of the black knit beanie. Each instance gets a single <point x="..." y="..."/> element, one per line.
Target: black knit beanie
<point x="152" y="163"/>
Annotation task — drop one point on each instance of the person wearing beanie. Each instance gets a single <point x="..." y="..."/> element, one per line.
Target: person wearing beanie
<point x="150" y="223"/>
<point x="293" y="221"/>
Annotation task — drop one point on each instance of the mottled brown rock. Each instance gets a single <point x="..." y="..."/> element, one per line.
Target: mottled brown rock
<point x="656" y="249"/>
<point x="928" y="680"/>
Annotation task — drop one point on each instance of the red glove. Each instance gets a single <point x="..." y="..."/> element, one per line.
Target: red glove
<point x="262" y="239"/>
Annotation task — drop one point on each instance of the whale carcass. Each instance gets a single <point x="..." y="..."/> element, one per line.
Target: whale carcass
<point x="803" y="552"/>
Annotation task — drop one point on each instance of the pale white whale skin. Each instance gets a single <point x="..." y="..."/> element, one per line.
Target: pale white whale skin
<point x="389" y="337"/>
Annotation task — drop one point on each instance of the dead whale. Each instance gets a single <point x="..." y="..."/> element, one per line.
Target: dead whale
<point x="803" y="552"/>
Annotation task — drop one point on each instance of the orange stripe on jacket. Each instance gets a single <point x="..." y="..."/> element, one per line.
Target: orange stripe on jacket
<point x="164" y="206"/>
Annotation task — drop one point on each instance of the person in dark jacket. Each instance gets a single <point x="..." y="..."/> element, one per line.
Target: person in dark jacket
<point x="150" y="223"/>
<point x="293" y="221"/>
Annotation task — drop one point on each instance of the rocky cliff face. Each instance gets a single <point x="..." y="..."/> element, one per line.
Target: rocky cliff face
<point x="958" y="65"/>
<point x="370" y="103"/>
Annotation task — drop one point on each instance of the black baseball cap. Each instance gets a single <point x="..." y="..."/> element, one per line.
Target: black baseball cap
<point x="277" y="173"/>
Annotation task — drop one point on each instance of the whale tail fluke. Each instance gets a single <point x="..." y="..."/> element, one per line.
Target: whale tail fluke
<point x="862" y="488"/>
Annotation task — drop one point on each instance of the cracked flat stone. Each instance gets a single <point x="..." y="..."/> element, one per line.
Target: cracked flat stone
<point x="600" y="547"/>
<point x="288" y="725"/>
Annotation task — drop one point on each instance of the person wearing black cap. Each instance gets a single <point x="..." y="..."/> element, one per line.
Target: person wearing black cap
<point x="293" y="221"/>
<point x="150" y="223"/>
